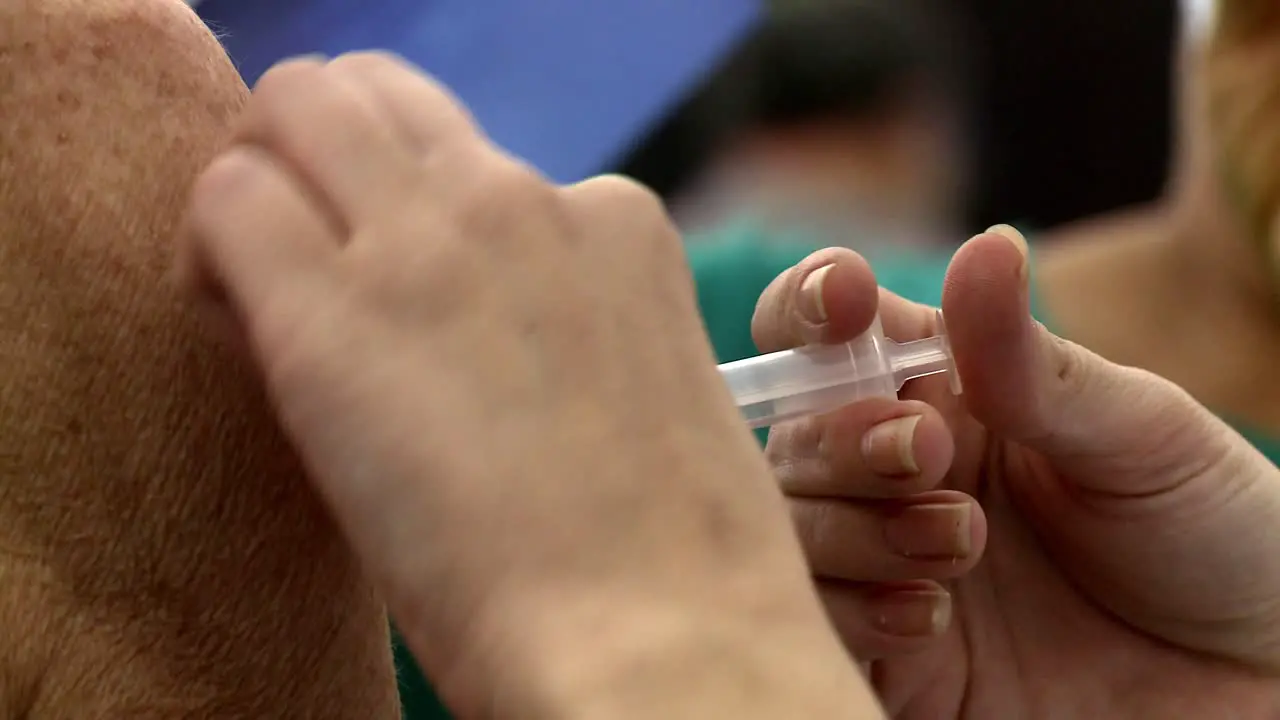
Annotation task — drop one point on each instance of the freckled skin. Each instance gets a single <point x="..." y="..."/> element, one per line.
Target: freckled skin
<point x="160" y="553"/>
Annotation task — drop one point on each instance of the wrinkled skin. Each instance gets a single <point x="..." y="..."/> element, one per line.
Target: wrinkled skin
<point x="1128" y="559"/>
<point x="1128" y="567"/>
<point x="566" y="523"/>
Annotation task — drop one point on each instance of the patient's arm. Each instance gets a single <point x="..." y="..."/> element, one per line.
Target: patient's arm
<point x="160" y="556"/>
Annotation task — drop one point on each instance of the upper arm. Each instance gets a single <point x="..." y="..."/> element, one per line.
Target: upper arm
<point x="160" y="554"/>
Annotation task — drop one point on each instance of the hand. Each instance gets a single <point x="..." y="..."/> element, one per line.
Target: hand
<point x="504" y="393"/>
<point x="1129" y="536"/>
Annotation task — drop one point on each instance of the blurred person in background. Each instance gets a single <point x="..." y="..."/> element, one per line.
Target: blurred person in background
<point x="1185" y="286"/>
<point x="836" y="122"/>
<point x="1012" y="70"/>
<point x="840" y="117"/>
<point x="853" y="127"/>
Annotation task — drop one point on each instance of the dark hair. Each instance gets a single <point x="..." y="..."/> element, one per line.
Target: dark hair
<point x="849" y="60"/>
<point x="814" y="61"/>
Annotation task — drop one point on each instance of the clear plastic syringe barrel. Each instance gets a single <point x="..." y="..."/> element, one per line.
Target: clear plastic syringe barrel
<point x="793" y="383"/>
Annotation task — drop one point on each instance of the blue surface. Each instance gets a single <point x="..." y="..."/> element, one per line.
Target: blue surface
<point x="566" y="84"/>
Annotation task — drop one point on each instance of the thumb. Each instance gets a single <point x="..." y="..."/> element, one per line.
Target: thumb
<point x="1152" y="503"/>
<point x="1026" y="384"/>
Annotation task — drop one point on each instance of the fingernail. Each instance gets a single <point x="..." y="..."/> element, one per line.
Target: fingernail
<point x="913" y="613"/>
<point x="931" y="531"/>
<point x="889" y="448"/>
<point x="1011" y="234"/>
<point x="812" y="307"/>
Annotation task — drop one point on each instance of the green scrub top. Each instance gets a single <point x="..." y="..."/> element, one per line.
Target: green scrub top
<point x="731" y="268"/>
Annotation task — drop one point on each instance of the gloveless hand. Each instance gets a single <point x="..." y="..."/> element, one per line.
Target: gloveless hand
<point x="1129" y="535"/>
<point x="503" y="391"/>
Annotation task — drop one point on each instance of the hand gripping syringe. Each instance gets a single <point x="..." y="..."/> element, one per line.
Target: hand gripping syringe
<point x="784" y="385"/>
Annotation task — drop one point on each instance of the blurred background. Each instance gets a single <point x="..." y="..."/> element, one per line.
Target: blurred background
<point x="877" y="124"/>
<point x="881" y="121"/>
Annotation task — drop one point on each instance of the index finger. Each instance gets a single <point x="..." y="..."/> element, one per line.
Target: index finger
<point x="422" y="110"/>
<point x="832" y="297"/>
<point x="829" y="297"/>
<point x="331" y="136"/>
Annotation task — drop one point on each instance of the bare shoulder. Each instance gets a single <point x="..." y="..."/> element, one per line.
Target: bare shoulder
<point x="110" y="33"/>
<point x="110" y="88"/>
<point x="160" y="553"/>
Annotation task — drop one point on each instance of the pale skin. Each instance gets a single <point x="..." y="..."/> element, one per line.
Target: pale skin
<point x="449" y="342"/>
<point x="1092" y="542"/>
<point x="1187" y="288"/>
<point x="160" y="555"/>
<point x="1129" y="558"/>
<point x="569" y="523"/>
<point x="736" y="630"/>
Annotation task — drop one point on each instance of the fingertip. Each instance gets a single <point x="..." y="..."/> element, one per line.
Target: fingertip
<point x="989" y="273"/>
<point x="977" y="533"/>
<point x="966" y="533"/>
<point x="1000" y="255"/>
<point x="933" y="447"/>
<point x="851" y="297"/>
<point x="874" y="449"/>
<point x="909" y="448"/>
<point x="878" y="621"/>
<point x="992" y="334"/>
<point x="1019" y="242"/>
<point x="830" y="296"/>
<point x="929" y="603"/>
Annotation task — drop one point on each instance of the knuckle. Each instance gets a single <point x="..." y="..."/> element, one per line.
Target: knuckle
<point x="367" y="60"/>
<point x="289" y="78"/>
<point x="511" y="180"/>
<point x="641" y="199"/>
<point x="800" y="465"/>
<point x="813" y="525"/>
<point x="226" y="186"/>
<point x="303" y="95"/>
<point x="641" y="216"/>
<point x="273" y="107"/>
<point x="368" y="64"/>
<point x="504" y="193"/>
<point x="429" y="279"/>
<point x="792" y="442"/>
<point x="646" y="209"/>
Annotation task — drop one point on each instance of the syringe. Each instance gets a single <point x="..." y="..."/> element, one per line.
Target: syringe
<point x="789" y="384"/>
